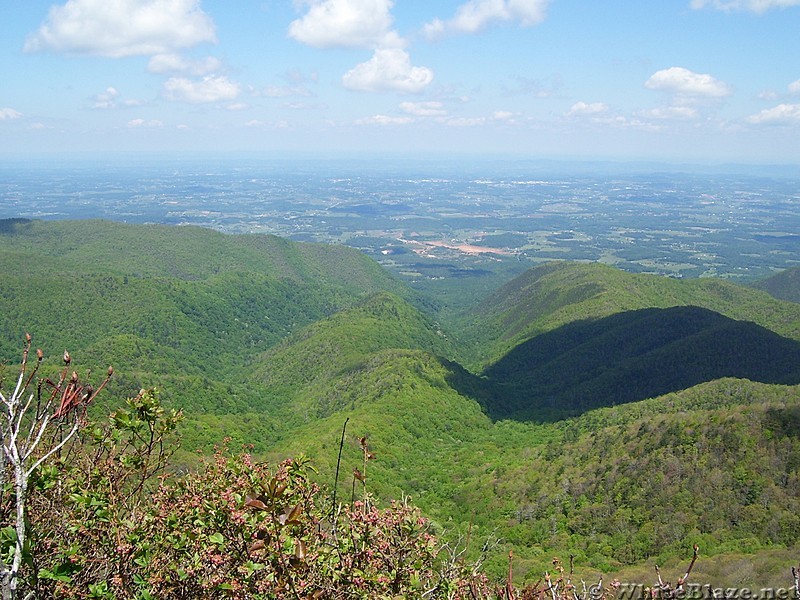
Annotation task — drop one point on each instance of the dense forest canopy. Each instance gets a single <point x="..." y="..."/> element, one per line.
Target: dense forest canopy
<point x="579" y="410"/>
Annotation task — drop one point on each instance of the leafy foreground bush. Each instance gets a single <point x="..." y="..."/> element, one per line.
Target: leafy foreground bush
<point x="87" y="512"/>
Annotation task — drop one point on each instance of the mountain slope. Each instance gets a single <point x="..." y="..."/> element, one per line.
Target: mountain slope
<point x="182" y="307"/>
<point x="188" y="253"/>
<point x="783" y="286"/>
<point x="297" y="371"/>
<point x="716" y="464"/>
<point x="632" y="356"/>
<point x="554" y="294"/>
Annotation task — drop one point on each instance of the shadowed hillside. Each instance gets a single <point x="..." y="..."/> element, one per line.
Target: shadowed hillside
<point x="555" y="294"/>
<point x="631" y="356"/>
<point x="783" y="286"/>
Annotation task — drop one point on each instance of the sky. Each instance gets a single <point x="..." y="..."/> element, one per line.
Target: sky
<point x="696" y="81"/>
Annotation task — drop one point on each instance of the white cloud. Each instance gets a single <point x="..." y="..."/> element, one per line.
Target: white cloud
<point x="783" y="114"/>
<point x="688" y="84"/>
<point x="423" y="109"/>
<point x="475" y="15"/>
<point x="794" y="87"/>
<point x="208" y="89"/>
<point x="110" y="99"/>
<point x="384" y="120"/>
<point x="6" y="114"/>
<point x="389" y="69"/>
<point x="142" y="123"/>
<point x="756" y="6"/>
<point x="116" y="28"/>
<point x="346" y="23"/>
<point x="581" y="109"/>
<point x="174" y="63"/>
<point x="670" y="113"/>
<point x="503" y="115"/>
<point x="105" y="99"/>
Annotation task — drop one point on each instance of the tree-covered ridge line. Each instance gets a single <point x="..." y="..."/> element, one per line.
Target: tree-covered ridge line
<point x="784" y="285"/>
<point x="634" y="355"/>
<point x="190" y="253"/>
<point x="554" y="294"/>
<point x="280" y="363"/>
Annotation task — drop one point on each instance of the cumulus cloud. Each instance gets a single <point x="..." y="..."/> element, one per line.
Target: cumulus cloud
<point x="756" y="6"/>
<point x="582" y="109"/>
<point x="503" y="115"/>
<point x="423" y="109"/>
<point x="6" y="114"/>
<point x="346" y="23"/>
<point x="687" y="84"/>
<point x="117" y="28"/>
<point x="794" y="87"/>
<point x="110" y="99"/>
<point x="106" y="99"/>
<point x="389" y="69"/>
<point x="174" y="63"/>
<point x="208" y="89"/>
<point x="783" y="114"/>
<point x="475" y="15"/>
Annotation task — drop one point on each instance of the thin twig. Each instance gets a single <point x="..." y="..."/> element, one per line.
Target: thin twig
<point x="338" y="465"/>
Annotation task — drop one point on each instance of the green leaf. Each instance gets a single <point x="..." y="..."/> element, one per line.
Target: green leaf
<point x="217" y="538"/>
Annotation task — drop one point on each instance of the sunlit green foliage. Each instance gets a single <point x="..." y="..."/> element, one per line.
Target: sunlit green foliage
<point x="277" y="345"/>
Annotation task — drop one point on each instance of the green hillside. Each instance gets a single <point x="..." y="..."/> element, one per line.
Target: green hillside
<point x="554" y="294"/>
<point x="784" y="285"/>
<point x="186" y="253"/>
<point x="183" y="308"/>
<point x="277" y="345"/>
<point x="299" y="370"/>
<point x="717" y="464"/>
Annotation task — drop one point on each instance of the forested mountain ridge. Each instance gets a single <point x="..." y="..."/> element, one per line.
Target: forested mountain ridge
<point x="784" y="285"/>
<point x="264" y="344"/>
<point x="297" y="371"/>
<point x="554" y="294"/>
<point x="634" y="355"/>
<point x="181" y="308"/>
<point x="186" y="253"/>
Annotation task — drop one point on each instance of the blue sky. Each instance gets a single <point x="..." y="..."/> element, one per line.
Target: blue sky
<point x="705" y="81"/>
